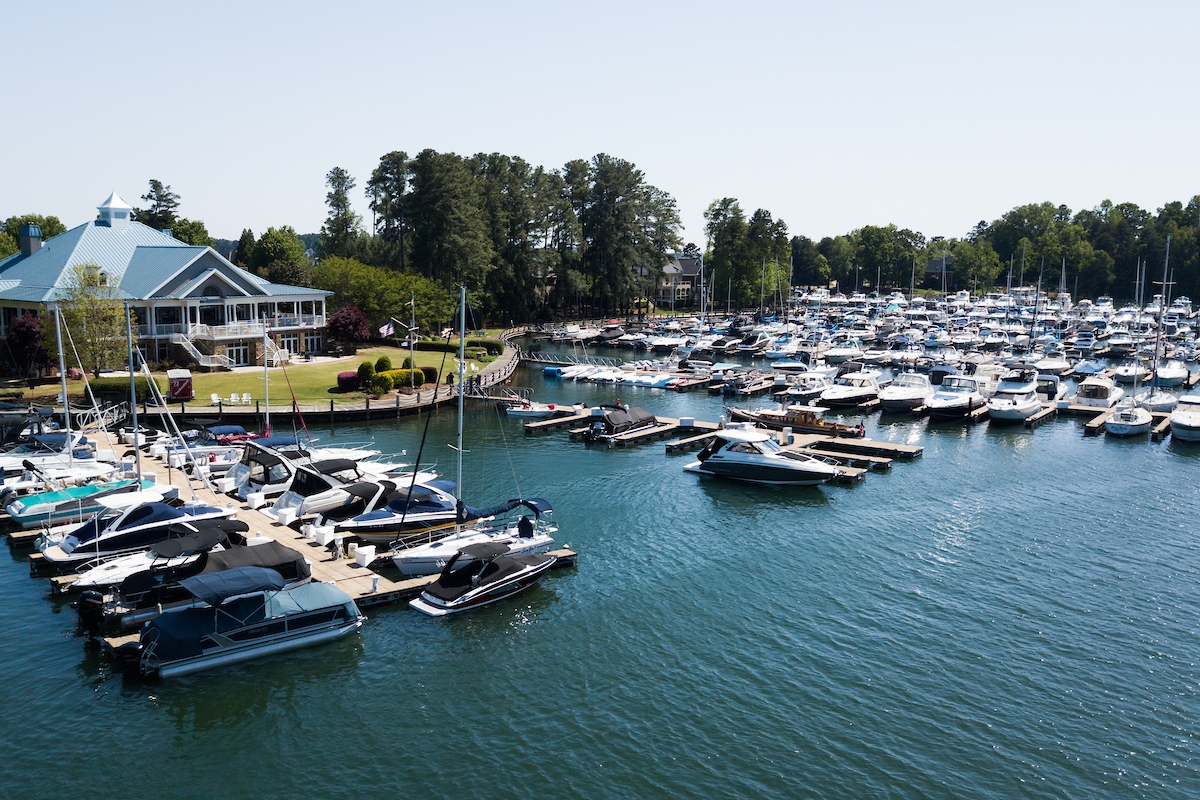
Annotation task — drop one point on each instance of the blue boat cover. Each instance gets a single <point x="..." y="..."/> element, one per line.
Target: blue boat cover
<point x="536" y="504"/>
<point x="227" y="430"/>
<point x="277" y="441"/>
<point x="215" y="588"/>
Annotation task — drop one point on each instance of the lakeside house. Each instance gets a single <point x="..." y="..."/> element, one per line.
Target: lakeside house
<point x="191" y="305"/>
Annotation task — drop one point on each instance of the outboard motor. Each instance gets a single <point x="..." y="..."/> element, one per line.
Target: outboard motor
<point x="129" y="656"/>
<point x="91" y="611"/>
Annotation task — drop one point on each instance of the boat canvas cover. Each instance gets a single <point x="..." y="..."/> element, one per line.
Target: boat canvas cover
<point x="182" y="634"/>
<point x="621" y="420"/>
<point x="192" y="543"/>
<point x="538" y="505"/>
<point x="332" y="465"/>
<point x="277" y="442"/>
<point x="227" y="430"/>
<point x="274" y="556"/>
<point x="215" y="588"/>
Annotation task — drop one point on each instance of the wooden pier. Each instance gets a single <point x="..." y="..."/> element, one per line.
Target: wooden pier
<point x="1048" y="410"/>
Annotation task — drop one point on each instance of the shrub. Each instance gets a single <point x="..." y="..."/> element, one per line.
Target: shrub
<point x="493" y="346"/>
<point x="407" y="363"/>
<point x="431" y="374"/>
<point x="381" y="384"/>
<point x="348" y="381"/>
<point x="382" y="364"/>
<point x="403" y="378"/>
<point x="119" y="388"/>
<point x="437" y="346"/>
<point x="366" y="371"/>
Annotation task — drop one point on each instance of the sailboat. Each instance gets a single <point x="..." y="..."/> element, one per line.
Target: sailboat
<point x="1130" y="419"/>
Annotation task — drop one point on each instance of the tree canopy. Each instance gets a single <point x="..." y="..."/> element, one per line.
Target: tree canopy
<point x="95" y="317"/>
<point x="51" y="226"/>
<point x="160" y="213"/>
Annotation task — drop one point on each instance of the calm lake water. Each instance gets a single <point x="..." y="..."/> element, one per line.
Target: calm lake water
<point x="1015" y="614"/>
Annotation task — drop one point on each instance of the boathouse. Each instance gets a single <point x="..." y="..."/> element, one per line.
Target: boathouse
<point x="190" y="303"/>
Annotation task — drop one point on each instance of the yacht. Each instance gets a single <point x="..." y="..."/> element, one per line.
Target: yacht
<point x="1171" y="372"/>
<point x="418" y="513"/>
<point x="525" y="536"/>
<point x="851" y="389"/>
<point x="958" y="396"/>
<point x="268" y="464"/>
<point x="322" y="485"/>
<point x="908" y="391"/>
<point x="746" y="454"/>
<point x="1097" y="392"/>
<point x="1128" y="420"/>
<point x="1185" y="419"/>
<point x="1016" y="398"/>
<point x="488" y="575"/>
<point x="807" y="387"/>
<point x="242" y="613"/>
<point x="844" y="350"/>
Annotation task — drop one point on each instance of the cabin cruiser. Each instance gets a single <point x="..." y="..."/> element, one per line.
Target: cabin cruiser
<point x="243" y="613"/>
<point x="135" y="528"/>
<point x="1051" y="388"/>
<point x="844" y="350"/>
<point x="1131" y="372"/>
<point x="1052" y="365"/>
<point x="76" y="503"/>
<point x="488" y="575"/>
<point x="807" y="387"/>
<point x="1171" y="372"/>
<point x="1016" y="398"/>
<point x="958" y="396"/>
<point x="320" y="486"/>
<point x="218" y="447"/>
<point x="1128" y="420"/>
<point x="524" y="536"/>
<point x="908" y="391"/>
<point x="851" y="389"/>
<point x="1097" y="392"/>
<point x="1185" y="419"/>
<point x="800" y="418"/>
<point x="268" y="464"/>
<point x="745" y="454"/>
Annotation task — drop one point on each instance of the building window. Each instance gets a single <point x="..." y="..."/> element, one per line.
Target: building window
<point x="211" y="291"/>
<point x="290" y="342"/>
<point x="312" y="343"/>
<point x="239" y="354"/>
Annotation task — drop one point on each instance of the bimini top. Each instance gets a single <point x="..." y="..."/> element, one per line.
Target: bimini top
<point x="226" y="430"/>
<point x="538" y="505"/>
<point x="215" y="588"/>
<point x="277" y="442"/>
<point x="743" y="435"/>
<point x="332" y="465"/>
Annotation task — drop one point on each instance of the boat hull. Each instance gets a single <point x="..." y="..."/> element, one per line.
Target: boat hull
<point x="237" y="655"/>
<point x="760" y="473"/>
<point x="478" y="598"/>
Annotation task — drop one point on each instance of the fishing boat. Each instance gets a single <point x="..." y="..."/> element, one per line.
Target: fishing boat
<point x="1016" y="398"/>
<point x="488" y="575"/>
<point x="1128" y="420"/>
<point x="747" y="454"/>
<point x="245" y="613"/>
<point x="523" y="536"/>
<point x="1185" y="419"/>
<point x="908" y="391"/>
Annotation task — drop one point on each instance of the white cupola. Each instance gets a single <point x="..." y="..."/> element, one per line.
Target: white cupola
<point x="114" y="212"/>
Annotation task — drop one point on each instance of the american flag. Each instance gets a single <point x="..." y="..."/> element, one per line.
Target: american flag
<point x="387" y="330"/>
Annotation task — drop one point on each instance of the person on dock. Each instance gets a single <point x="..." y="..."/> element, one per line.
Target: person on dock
<point x="335" y="550"/>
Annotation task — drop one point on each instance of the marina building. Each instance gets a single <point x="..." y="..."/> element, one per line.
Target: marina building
<point x="190" y="304"/>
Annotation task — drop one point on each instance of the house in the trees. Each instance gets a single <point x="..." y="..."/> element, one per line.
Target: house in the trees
<point x="190" y="303"/>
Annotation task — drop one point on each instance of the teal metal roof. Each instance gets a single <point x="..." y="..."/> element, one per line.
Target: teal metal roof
<point x="138" y="260"/>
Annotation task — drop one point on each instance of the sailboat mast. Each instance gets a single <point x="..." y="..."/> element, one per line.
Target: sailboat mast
<point x="462" y="354"/>
<point x="266" y="384"/>
<point x="1161" y="316"/>
<point x="137" y="450"/>
<point x="62" y="372"/>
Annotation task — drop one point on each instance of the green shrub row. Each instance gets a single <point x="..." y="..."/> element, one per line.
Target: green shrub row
<point x="110" y="387"/>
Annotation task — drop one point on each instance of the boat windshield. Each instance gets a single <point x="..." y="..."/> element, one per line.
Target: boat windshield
<point x="958" y="385"/>
<point x="911" y="379"/>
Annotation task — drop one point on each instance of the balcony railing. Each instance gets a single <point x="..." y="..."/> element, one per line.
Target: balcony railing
<point x="235" y="330"/>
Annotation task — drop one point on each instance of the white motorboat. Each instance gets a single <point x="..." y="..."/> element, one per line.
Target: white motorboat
<point x="1131" y="372"/>
<point x="1052" y="365"/>
<point x="851" y="389"/>
<point x="530" y="410"/>
<point x="267" y="466"/>
<point x="1171" y="372"/>
<point x="524" y="536"/>
<point x="745" y="454"/>
<point x="1128" y="420"/>
<point x="908" y="391"/>
<point x="162" y="556"/>
<point x="1016" y="398"/>
<point x="1157" y="400"/>
<point x="958" y="396"/>
<point x="807" y="386"/>
<point x="1185" y="419"/>
<point x="1097" y="392"/>
<point x="844" y="350"/>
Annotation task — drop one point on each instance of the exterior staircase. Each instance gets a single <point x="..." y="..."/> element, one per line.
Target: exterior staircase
<point x="203" y="359"/>
<point x="276" y="355"/>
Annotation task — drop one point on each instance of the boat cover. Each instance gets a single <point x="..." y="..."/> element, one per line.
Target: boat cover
<point x="215" y="588"/>
<point x="332" y="465"/>
<point x="227" y="430"/>
<point x="196" y="542"/>
<point x="277" y="557"/>
<point x="277" y="441"/>
<point x="536" y="504"/>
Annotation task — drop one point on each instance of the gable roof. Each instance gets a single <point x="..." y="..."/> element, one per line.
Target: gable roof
<point x="139" y="260"/>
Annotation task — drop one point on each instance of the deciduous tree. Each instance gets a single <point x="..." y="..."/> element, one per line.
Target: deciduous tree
<point x="95" y="317"/>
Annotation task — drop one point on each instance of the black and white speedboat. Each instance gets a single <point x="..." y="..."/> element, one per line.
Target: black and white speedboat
<point x="429" y="507"/>
<point x="133" y="529"/>
<point x="489" y="576"/>
<point x="523" y="536"/>
<point x="747" y="454"/>
<point x="243" y="613"/>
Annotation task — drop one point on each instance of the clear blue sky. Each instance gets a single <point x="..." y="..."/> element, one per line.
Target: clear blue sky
<point x="830" y="115"/>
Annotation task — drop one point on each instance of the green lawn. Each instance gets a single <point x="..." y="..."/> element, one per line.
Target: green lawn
<point x="311" y="383"/>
